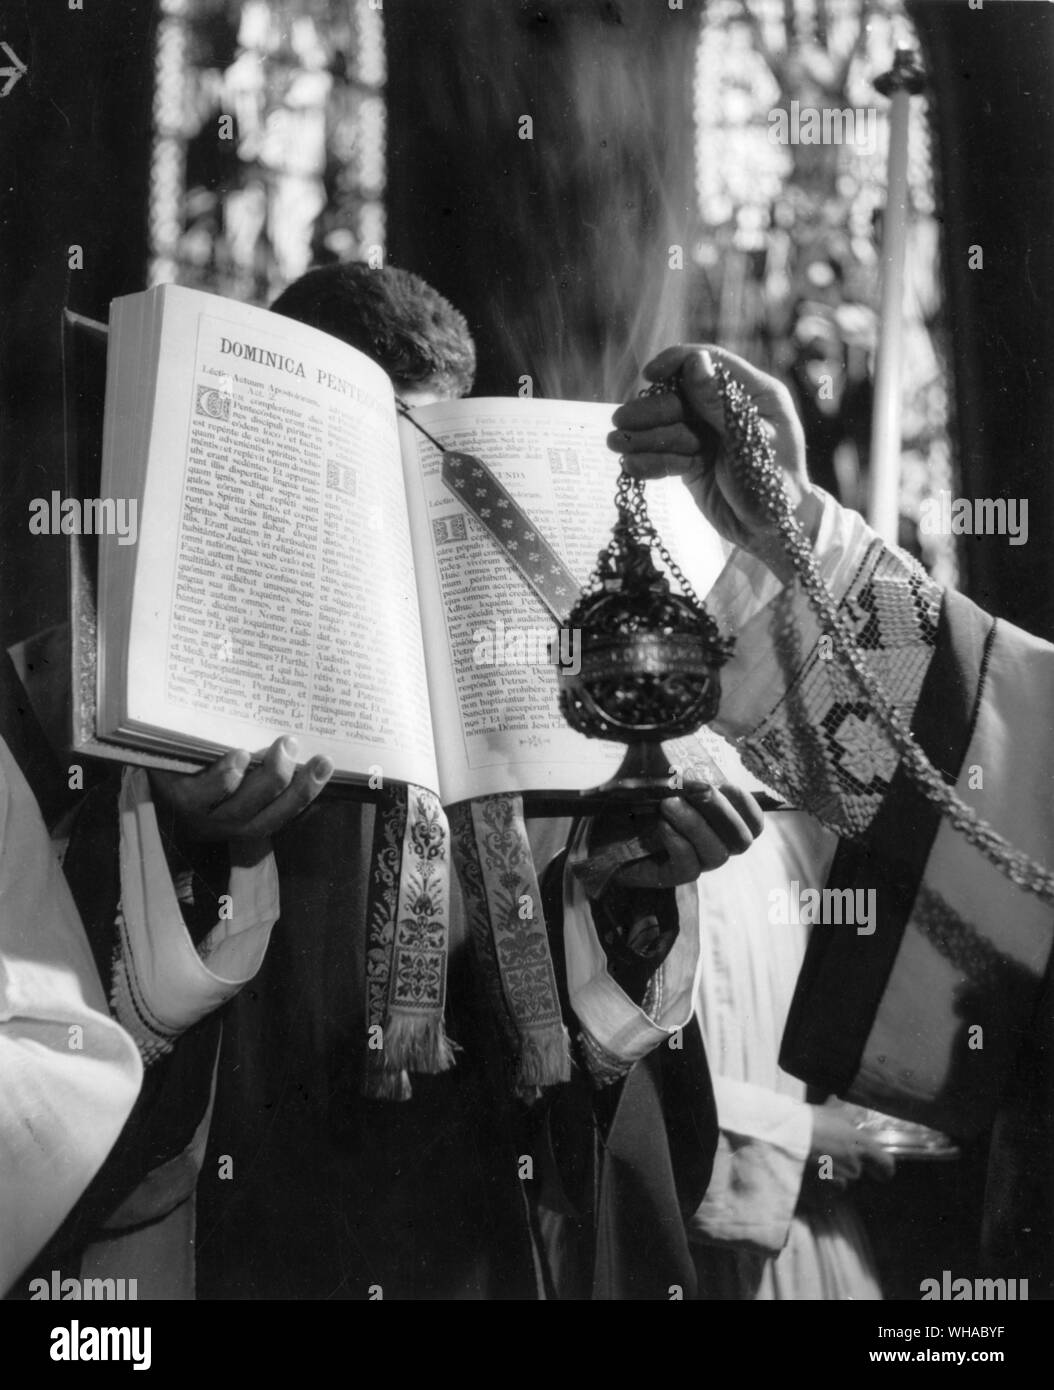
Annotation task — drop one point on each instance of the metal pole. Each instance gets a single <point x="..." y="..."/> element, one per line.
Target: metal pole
<point x="900" y="84"/>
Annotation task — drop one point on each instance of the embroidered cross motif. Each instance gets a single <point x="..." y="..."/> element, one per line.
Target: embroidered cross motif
<point x="820" y="746"/>
<point x="865" y="749"/>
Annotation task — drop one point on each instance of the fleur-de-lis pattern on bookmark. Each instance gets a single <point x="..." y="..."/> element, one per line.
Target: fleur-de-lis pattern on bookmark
<point x="490" y="502"/>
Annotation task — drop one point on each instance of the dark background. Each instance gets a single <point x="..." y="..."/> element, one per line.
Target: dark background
<point x="507" y="228"/>
<point x="502" y="226"/>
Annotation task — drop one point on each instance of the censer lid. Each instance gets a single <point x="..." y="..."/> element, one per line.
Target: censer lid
<point x="649" y="657"/>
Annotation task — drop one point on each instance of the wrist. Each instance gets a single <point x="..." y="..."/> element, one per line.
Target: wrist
<point x="181" y="846"/>
<point x="771" y="548"/>
<point x="637" y="928"/>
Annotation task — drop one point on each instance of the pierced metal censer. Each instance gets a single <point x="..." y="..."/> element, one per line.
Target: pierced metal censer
<point x="650" y="657"/>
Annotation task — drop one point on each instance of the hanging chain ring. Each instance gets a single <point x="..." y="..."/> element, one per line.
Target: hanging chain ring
<point x="629" y="499"/>
<point x="633" y="512"/>
<point x="754" y="460"/>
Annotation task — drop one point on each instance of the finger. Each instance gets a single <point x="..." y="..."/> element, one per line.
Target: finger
<point x="878" y="1163"/>
<point x="225" y="776"/>
<point x="685" y="358"/>
<point x="709" y="849"/>
<point x="666" y="439"/>
<point x="673" y="861"/>
<point x="260" y="786"/>
<point x="723" y="818"/>
<point x="643" y="873"/>
<point x="757" y="384"/>
<point x="700" y="391"/>
<point x="702" y="397"/>
<point x="661" y="465"/>
<point x="747" y="807"/>
<point x="851" y="1165"/>
<point x="307" y="782"/>
<point x="197" y="793"/>
<point x="649" y="412"/>
<point x="670" y="360"/>
<point x="623" y="825"/>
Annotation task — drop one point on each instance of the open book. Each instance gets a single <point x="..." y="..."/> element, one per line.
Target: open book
<point x="301" y="566"/>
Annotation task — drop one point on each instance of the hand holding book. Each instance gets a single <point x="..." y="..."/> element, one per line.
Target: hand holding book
<point x="303" y="568"/>
<point x="233" y="801"/>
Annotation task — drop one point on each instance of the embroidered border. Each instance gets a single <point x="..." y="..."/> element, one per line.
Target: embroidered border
<point x="470" y="876"/>
<point x="822" y="745"/>
<point x="521" y="942"/>
<point x="418" y="974"/>
<point x="603" y="1066"/>
<point x="407" y="942"/>
<point x="384" y="896"/>
<point x="128" y="1003"/>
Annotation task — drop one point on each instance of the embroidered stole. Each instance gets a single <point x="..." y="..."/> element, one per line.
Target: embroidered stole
<point x="408" y="916"/>
<point x="408" y="938"/>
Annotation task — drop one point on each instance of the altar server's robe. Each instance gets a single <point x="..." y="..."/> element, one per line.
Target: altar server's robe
<point x="753" y="1237"/>
<point x="308" y="1190"/>
<point x="334" y="1194"/>
<point x="69" y="1075"/>
<point x="943" y="1014"/>
<point x="135" y="1219"/>
<point x="304" y="1189"/>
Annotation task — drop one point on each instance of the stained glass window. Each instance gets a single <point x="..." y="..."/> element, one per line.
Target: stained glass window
<point x="268" y="148"/>
<point x="789" y="254"/>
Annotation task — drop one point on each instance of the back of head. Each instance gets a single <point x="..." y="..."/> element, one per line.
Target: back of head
<point x="393" y="316"/>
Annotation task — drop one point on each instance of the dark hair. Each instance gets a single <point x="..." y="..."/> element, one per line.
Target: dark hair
<point x="393" y="316"/>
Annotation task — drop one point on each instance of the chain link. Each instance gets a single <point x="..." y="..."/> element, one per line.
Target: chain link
<point x="629" y="498"/>
<point x="754" y="461"/>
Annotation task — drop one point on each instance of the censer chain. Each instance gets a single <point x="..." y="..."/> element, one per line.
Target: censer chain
<point x="629" y="498"/>
<point x="755" y="460"/>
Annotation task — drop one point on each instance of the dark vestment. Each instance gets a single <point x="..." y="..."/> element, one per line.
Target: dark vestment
<point x="310" y="1190"/>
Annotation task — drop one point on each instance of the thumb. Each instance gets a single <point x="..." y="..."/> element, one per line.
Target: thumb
<point x="878" y="1162"/>
<point x="699" y="390"/>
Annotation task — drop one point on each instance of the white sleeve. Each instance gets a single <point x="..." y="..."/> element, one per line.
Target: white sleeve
<point x="162" y="985"/>
<point x="69" y="1075"/>
<point x="796" y="717"/>
<point x="742" y="600"/>
<point x="611" y="1019"/>
<point x="761" y="1153"/>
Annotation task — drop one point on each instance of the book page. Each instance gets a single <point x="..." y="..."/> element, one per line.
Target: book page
<point x="492" y="681"/>
<point x="274" y="590"/>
